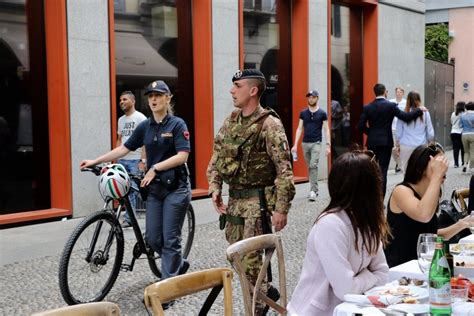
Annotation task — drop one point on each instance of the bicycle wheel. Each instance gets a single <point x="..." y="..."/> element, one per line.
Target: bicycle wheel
<point x="187" y="233"/>
<point x="82" y="279"/>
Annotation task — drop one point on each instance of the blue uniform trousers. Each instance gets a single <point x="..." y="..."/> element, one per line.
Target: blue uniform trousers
<point x="165" y="212"/>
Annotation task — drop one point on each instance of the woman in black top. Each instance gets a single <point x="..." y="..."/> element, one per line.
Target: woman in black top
<point x="412" y="206"/>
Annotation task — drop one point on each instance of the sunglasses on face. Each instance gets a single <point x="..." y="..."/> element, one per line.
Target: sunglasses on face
<point x="435" y="148"/>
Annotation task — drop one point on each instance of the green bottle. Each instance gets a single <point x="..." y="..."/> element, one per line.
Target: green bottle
<point x="439" y="282"/>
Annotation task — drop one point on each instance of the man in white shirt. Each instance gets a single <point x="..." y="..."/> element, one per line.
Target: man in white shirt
<point x="135" y="160"/>
<point x="401" y="103"/>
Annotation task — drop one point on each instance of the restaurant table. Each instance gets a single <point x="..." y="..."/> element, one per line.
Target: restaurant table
<point x="350" y="309"/>
<point x="467" y="240"/>
<point x="408" y="269"/>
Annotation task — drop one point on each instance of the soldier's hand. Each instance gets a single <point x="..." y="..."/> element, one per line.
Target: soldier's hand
<point x="279" y="220"/>
<point x="219" y="205"/>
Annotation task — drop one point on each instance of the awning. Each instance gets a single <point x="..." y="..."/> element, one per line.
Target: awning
<point x="134" y="56"/>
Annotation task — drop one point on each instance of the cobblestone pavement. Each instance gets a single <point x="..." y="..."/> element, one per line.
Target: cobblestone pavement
<point x="32" y="285"/>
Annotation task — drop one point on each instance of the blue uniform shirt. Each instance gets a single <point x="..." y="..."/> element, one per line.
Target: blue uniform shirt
<point x="162" y="140"/>
<point x="313" y="124"/>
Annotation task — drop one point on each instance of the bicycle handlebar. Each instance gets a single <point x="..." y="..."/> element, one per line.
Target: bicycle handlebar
<point x="97" y="169"/>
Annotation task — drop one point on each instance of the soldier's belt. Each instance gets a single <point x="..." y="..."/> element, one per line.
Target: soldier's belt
<point x="243" y="193"/>
<point x="236" y="220"/>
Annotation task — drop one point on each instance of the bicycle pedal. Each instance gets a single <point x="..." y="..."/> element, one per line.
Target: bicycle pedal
<point x="125" y="267"/>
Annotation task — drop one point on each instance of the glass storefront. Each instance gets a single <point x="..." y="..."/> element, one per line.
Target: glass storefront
<point x="148" y="48"/>
<point x="267" y="43"/>
<point x="24" y="137"/>
<point x="346" y="77"/>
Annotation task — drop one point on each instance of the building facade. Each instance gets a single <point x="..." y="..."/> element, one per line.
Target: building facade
<point x="66" y="62"/>
<point x="459" y="16"/>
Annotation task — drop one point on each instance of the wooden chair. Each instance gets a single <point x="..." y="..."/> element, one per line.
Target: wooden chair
<point x="460" y="196"/>
<point x="182" y="285"/>
<point x="90" y="309"/>
<point x="235" y="254"/>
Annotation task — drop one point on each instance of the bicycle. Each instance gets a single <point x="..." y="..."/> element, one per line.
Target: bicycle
<point x="93" y="255"/>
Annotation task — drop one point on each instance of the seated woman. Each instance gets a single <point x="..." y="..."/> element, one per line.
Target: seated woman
<point x="412" y="207"/>
<point x="344" y="248"/>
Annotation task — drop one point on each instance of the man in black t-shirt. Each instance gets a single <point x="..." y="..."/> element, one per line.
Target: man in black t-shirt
<point x="312" y="121"/>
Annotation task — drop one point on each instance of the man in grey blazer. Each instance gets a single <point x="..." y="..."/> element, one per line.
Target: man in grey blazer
<point x="376" y="121"/>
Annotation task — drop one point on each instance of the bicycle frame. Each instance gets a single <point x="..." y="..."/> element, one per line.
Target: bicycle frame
<point x="123" y="202"/>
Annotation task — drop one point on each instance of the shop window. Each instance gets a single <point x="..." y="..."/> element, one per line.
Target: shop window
<point x="148" y="48"/>
<point x="267" y="46"/>
<point x="346" y="77"/>
<point x="24" y="138"/>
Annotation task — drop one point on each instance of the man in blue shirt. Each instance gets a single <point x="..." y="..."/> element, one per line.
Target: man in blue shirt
<point x="312" y="121"/>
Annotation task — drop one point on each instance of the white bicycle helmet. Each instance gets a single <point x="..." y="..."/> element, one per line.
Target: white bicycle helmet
<point x="114" y="181"/>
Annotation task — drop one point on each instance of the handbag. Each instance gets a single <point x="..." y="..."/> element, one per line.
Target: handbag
<point x="450" y="212"/>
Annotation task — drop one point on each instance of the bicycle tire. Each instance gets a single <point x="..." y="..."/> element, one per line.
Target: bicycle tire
<point x="189" y="227"/>
<point x="76" y="288"/>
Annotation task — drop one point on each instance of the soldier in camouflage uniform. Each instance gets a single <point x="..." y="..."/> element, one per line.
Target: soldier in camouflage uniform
<point x="251" y="152"/>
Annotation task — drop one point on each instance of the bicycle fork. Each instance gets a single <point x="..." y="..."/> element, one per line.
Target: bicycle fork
<point x="140" y="247"/>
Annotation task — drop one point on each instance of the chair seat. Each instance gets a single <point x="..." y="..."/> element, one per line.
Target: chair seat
<point x="90" y="309"/>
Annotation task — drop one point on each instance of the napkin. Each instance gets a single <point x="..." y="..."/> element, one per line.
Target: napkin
<point x="376" y="300"/>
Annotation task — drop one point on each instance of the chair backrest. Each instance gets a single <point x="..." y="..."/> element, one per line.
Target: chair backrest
<point x="460" y="196"/>
<point x="236" y="253"/>
<point x="182" y="285"/>
<point x="90" y="309"/>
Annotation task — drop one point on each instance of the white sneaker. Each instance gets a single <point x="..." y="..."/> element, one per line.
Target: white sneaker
<point x="312" y="196"/>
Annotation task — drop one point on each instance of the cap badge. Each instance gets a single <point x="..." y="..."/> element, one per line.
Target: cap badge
<point x="238" y="74"/>
<point x="154" y="84"/>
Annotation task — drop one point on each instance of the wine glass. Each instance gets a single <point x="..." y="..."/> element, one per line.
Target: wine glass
<point x="430" y="239"/>
<point x="425" y="255"/>
<point x="426" y="237"/>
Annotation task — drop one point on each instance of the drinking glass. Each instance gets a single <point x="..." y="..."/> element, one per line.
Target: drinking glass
<point x="427" y="237"/>
<point x="425" y="255"/>
<point x="459" y="292"/>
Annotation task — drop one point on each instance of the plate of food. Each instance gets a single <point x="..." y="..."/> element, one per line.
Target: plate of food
<point x="458" y="248"/>
<point x="411" y="294"/>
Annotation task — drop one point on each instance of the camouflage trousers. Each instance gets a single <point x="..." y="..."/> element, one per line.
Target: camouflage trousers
<point x="253" y="261"/>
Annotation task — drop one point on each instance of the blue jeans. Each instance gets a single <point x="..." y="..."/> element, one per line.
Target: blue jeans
<point x="131" y="165"/>
<point x="165" y="212"/>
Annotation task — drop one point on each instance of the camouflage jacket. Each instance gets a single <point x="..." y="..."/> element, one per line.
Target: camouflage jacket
<point x="254" y="154"/>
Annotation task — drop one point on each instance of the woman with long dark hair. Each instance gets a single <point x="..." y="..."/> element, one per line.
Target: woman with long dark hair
<point x="456" y="132"/>
<point x="411" y="135"/>
<point x="344" y="252"/>
<point x="412" y="207"/>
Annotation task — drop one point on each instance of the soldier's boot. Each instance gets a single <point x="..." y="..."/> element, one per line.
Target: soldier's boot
<point x="274" y="295"/>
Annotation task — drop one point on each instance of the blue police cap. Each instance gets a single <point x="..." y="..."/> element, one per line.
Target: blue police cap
<point x="247" y="74"/>
<point x="158" y="86"/>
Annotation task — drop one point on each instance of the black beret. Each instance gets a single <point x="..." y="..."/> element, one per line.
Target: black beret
<point x="248" y="73"/>
<point x="158" y="86"/>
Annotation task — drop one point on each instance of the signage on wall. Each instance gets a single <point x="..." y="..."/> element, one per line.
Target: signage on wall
<point x="465" y="86"/>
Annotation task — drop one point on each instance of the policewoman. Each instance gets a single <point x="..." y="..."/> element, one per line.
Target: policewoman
<point x="166" y="140"/>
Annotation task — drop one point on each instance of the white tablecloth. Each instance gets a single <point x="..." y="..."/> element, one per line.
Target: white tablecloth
<point x="467" y="240"/>
<point x="408" y="269"/>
